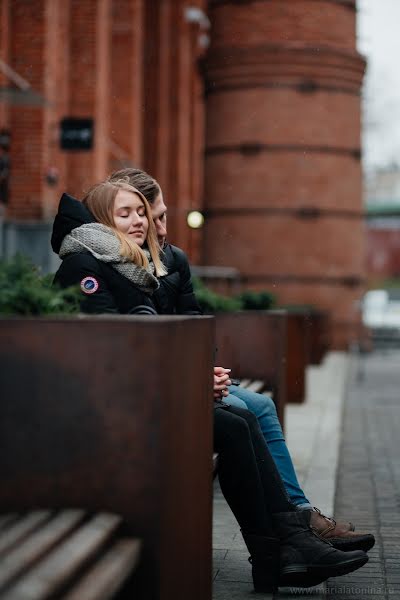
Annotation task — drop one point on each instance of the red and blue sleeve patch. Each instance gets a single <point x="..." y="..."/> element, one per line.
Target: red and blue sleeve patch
<point x="89" y="285"/>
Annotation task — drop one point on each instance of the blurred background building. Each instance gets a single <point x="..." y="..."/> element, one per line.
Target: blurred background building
<point x="382" y="192"/>
<point x="247" y="110"/>
<point x="378" y="39"/>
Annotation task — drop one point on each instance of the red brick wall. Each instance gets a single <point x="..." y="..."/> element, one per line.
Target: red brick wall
<point x="132" y="65"/>
<point x="126" y="84"/>
<point x="89" y="88"/>
<point x="174" y="113"/>
<point x="5" y="55"/>
<point x="26" y="52"/>
<point x="62" y="48"/>
<point x="158" y="105"/>
<point x="56" y="93"/>
<point x="321" y="22"/>
<point x="283" y="175"/>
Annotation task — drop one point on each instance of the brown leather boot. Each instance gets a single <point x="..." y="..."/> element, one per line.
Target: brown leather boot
<point x="340" y="534"/>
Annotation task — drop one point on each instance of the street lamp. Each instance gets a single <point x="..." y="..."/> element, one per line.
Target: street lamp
<point x="195" y="219"/>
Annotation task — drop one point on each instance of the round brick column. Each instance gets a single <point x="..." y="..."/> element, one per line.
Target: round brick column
<point x="283" y="175"/>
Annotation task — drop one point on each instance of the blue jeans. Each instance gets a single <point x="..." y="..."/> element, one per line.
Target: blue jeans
<point x="264" y="409"/>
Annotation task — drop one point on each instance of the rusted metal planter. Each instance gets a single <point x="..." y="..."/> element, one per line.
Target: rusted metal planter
<point x="317" y="332"/>
<point x="297" y="356"/>
<point x="115" y="414"/>
<point x="253" y="345"/>
<point x="319" y="325"/>
<point x="308" y="341"/>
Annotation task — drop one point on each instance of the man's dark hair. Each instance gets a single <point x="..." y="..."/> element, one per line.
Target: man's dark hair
<point x="141" y="180"/>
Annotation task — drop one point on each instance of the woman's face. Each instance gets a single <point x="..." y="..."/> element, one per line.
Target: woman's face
<point x="130" y="216"/>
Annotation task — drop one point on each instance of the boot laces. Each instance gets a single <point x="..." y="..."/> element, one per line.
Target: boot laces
<point x="330" y="519"/>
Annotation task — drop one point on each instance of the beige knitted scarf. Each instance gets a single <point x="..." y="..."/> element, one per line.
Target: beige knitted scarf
<point x="103" y="244"/>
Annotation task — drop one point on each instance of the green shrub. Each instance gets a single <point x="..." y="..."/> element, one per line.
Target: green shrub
<point x="210" y="302"/>
<point x="24" y="291"/>
<point x="256" y="300"/>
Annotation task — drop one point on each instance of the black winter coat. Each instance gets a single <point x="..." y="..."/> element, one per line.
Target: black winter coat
<point x="104" y="290"/>
<point x="175" y="294"/>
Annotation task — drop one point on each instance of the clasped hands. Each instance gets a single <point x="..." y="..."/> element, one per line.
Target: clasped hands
<point x="221" y="382"/>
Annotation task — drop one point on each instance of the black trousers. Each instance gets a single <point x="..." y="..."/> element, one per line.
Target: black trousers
<point x="247" y="473"/>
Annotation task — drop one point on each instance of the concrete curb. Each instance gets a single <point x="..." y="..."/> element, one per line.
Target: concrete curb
<point x="313" y="430"/>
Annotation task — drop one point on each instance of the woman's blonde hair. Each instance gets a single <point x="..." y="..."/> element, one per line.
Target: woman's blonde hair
<point x="100" y="201"/>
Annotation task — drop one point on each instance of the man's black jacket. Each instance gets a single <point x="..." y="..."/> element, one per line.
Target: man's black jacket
<point x="175" y="294"/>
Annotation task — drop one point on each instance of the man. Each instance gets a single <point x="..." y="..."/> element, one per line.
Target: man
<point x="176" y="295"/>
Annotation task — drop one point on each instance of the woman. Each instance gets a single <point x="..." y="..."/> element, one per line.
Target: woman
<point x="108" y="245"/>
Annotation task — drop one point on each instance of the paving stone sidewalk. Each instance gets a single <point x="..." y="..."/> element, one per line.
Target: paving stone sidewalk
<point x="368" y="485"/>
<point x="366" y="430"/>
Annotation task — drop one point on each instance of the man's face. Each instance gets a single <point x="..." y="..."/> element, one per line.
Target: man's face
<point x="159" y="212"/>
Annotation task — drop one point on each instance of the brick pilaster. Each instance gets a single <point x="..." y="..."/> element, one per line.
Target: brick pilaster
<point x="173" y="115"/>
<point x="89" y="88"/>
<point x="127" y="84"/>
<point x="26" y="53"/>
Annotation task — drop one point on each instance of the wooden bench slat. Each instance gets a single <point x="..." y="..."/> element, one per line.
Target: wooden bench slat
<point x="109" y="574"/>
<point x="245" y="382"/>
<point x="24" y="555"/>
<point x="256" y="386"/>
<point x="56" y="570"/>
<point x="215" y="462"/>
<point x="21" y="528"/>
<point x="5" y="520"/>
